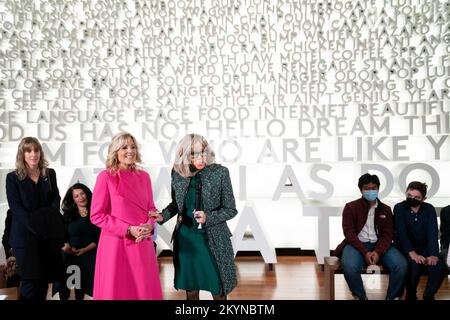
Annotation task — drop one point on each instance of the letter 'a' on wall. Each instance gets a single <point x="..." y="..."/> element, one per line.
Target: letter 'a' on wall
<point x="259" y="242"/>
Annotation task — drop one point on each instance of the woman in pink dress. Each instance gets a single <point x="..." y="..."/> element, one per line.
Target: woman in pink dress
<point x="126" y="266"/>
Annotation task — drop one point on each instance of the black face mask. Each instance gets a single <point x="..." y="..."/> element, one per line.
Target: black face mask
<point x="411" y="202"/>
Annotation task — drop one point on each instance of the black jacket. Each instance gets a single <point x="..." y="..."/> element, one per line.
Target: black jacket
<point x="37" y="229"/>
<point x="6" y="233"/>
<point x="445" y="227"/>
<point x="418" y="232"/>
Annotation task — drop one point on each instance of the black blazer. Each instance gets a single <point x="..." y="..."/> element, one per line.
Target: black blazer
<point x="36" y="230"/>
<point x="6" y="233"/>
<point x="20" y="200"/>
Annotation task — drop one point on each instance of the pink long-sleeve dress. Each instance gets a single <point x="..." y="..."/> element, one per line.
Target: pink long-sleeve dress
<point x="124" y="269"/>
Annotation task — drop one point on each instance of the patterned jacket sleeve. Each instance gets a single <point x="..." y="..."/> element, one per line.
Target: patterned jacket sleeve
<point x="227" y="209"/>
<point x="172" y="209"/>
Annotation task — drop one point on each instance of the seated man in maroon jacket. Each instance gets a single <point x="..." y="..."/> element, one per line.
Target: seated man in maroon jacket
<point x="368" y="230"/>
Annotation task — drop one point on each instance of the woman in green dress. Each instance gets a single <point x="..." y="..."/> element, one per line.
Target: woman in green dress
<point x="203" y="200"/>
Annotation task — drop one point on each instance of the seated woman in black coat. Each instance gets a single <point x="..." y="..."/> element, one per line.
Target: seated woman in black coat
<point x="80" y="246"/>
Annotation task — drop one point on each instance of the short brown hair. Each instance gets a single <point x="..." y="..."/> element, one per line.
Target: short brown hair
<point x="419" y="186"/>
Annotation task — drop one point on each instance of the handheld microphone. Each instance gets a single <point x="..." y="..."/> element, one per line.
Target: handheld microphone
<point x="198" y="198"/>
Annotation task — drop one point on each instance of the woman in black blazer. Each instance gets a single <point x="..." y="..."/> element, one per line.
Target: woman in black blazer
<point x="37" y="230"/>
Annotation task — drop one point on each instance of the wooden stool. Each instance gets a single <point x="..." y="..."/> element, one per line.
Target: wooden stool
<point x="332" y="266"/>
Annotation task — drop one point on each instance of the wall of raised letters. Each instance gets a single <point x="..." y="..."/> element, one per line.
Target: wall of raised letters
<point x="297" y="97"/>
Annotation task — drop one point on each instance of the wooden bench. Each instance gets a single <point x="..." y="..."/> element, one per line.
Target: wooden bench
<point x="332" y="266"/>
<point x="2" y="276"/>
<point x="10" y="293"/>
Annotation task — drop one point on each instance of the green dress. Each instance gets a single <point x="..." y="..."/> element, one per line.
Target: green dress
<point x="197" y="268"/>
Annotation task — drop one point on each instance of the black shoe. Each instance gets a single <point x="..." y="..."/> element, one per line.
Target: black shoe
<point x="411" y="297"/>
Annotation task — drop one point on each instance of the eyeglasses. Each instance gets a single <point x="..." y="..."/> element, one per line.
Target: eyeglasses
<point x="197" y="154"/>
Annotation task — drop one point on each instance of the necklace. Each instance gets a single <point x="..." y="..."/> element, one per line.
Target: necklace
<point x="83" y="212"/>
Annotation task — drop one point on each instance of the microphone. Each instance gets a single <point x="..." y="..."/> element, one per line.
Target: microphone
<point x="198" y="198"/>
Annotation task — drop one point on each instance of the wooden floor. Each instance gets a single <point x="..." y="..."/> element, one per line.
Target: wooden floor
<point x="293" y="278"/>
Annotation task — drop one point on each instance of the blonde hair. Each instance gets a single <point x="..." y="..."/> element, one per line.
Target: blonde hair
<point x="183" y="160"/>
<point x="26" y="145"/>
<point x="117" y="142"/>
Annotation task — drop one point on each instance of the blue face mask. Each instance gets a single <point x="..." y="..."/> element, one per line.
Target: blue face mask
<point x="370" y="195"/>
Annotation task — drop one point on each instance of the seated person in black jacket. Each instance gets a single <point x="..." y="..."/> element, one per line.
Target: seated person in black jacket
<point x="13" y="278"/>
<point x="80" y="247"/>
<point x="445" y="234"/>
<point x="417" y="237"/>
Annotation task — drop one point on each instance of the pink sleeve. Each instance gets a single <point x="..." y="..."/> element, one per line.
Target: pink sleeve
<point x="151" y="203"/>
<point x="100" y="215"/>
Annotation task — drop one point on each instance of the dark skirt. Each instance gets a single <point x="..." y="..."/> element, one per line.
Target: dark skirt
<point x="86" y="265"/>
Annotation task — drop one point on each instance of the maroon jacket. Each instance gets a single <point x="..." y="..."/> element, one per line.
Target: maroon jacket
<point x="354" y="218"/>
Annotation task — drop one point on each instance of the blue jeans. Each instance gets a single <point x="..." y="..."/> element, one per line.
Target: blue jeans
<point x="353" y="261"/>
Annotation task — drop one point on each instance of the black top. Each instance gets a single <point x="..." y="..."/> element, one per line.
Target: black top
<point x="416" y="231"/>
<point x="445" y="227"/>
<point x="38" y="193"/>
<point x="192" y="202"/>
<point x="81" y="232"/>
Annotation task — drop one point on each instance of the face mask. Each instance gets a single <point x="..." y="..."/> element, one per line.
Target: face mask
<point x="370" y="195"/>
<point x="411" y="202"/>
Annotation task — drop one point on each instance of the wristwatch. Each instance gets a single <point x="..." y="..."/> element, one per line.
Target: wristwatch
<point x="149" y="214"/>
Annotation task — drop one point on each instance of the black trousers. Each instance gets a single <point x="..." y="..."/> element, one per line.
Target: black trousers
<point x="443" y="255"/>
<point x="64" y="293"/>
<point x="33" y="290"/>
<point x="435" y="273"/>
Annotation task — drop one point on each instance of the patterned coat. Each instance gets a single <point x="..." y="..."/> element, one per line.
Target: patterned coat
<point x="219" y="206"/>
